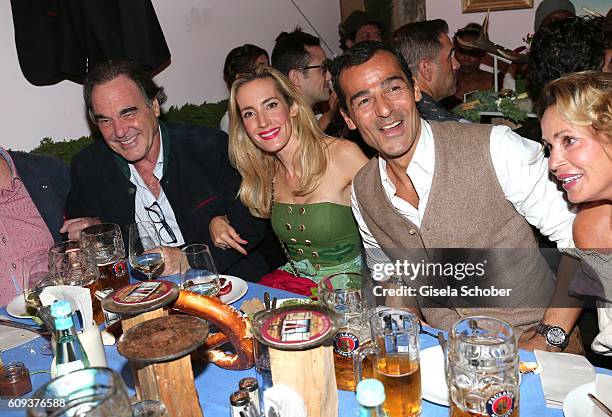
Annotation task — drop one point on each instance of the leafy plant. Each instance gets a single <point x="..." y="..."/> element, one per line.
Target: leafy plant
<point x="514" y="108"/>
<point x="205" y="114"/>
<point x="64" y="149"/>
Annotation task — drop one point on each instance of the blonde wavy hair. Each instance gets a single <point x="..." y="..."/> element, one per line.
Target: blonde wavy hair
<point x="258" y="167"/>
<point x="584" y="99"/>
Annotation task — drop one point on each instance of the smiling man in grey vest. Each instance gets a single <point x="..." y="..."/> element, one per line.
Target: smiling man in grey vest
<point x="472" y="188"/>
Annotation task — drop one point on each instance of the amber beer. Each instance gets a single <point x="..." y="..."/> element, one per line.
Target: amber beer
<point x="113" y="275"/>
<point x="402" y="380"/>
<point x="343" y="364"/>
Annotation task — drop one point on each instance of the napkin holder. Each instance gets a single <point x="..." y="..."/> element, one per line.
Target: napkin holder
<point x="299" y="340"/>
<point x="163" y="376"/>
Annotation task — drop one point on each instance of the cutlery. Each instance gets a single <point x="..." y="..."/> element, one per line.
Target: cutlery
<point x="423" y="331"/>
<point x="43" y="331"/>
<point x="600" y="405"/>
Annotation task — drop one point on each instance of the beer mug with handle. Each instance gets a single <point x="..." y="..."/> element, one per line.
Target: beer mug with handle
<point x="343" y="293"/>
<point x="483" y="374"/>
<point x="103" y="245"/>
<point x="395" y="348"/>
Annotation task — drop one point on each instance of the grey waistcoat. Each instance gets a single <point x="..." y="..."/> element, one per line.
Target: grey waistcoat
<point x="466" y="209"/>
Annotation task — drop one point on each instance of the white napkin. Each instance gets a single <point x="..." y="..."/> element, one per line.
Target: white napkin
<point x="11" y="337"/>
<point x="79" y="298"/>
<point x="561" y="373"/>
<point x="283" y="401"/>
<point x="603" y="392"/>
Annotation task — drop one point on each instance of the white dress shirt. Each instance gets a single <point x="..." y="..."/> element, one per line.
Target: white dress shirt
<point x="522" y="172"/>
<point x="145" y="198"/>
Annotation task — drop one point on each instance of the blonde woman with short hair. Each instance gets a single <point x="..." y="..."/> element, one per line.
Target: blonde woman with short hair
<point x="577" y="129"/>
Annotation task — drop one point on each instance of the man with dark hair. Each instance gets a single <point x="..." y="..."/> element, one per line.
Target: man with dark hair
<point x="176" y="176"/>
<point x="552" y="10"/>
<point x="425" y="194"/>
<point x="565" y="46"/>
<point x="33" y="190"/>
<point x="299" y="56"/>
<point x="561" y="47"/>
<point x="359" y="26"/>
<point x="428" y="51"/>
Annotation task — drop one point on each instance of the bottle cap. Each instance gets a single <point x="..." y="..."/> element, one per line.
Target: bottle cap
<point x="248" y="384"/>
<point x="370" y="393"/>
<point x="239" y="398"/>
<point x="62" y="313"/>
<point x="61" y="308"/>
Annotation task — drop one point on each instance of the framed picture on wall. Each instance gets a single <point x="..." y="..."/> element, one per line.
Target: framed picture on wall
<point x="472" y="6"/>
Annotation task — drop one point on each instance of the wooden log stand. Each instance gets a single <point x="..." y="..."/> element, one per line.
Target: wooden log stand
<point x="158" y="345"/>
<point x="301" y="353"/>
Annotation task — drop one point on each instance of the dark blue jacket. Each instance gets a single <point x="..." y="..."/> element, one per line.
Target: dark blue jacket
<point x="47" y="180"/>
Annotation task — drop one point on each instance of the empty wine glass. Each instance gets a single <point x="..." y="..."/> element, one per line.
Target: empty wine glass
<point x="35" y="270"/>
<point x="146" y="253"/>
<point x="198" y="270"/>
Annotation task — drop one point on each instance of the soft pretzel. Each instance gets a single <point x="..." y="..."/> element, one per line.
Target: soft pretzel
<point x="232" y="325"/>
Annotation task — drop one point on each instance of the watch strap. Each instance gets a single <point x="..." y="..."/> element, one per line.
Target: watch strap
<point x="543" y="328"/>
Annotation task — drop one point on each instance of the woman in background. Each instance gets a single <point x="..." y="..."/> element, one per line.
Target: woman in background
<point x="577" y="128"/>
<point x="241" y="59"/>
<point x="297" y="176"/>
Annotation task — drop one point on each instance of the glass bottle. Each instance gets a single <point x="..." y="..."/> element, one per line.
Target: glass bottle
<point x="371" y="396"/>
<point x="69" y="353"/>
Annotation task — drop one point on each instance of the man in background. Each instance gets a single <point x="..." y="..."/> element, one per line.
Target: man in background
<point x="428" y="51"/>
<point x="359" y="26"/>
<point x="299" y="56"/>
<point x="552" y="10"/>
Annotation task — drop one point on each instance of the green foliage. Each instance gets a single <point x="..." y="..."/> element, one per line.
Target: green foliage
<point x="488" y="101"/>
<point x="205" y="114"/>
<point x="64" y="149"/>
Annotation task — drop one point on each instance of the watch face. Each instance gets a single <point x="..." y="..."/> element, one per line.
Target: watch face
<point x="555" y="336"/>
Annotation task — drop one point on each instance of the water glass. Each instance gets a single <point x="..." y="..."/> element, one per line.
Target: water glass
<point x="395" y="349"/>
<point x="198" y="270"/>
<point x="89" y="392"/>
<point x="483" y="373"/>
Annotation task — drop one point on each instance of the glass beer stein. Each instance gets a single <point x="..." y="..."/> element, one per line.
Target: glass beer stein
<point x="103" y="246"/>
<point x="483" y="374"/>
<point x="395" y="348"/>
<point x="342" y="293"/>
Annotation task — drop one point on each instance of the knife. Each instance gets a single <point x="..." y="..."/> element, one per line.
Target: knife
<point x="43" y="331"/>
<point x="600" y="405"/>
